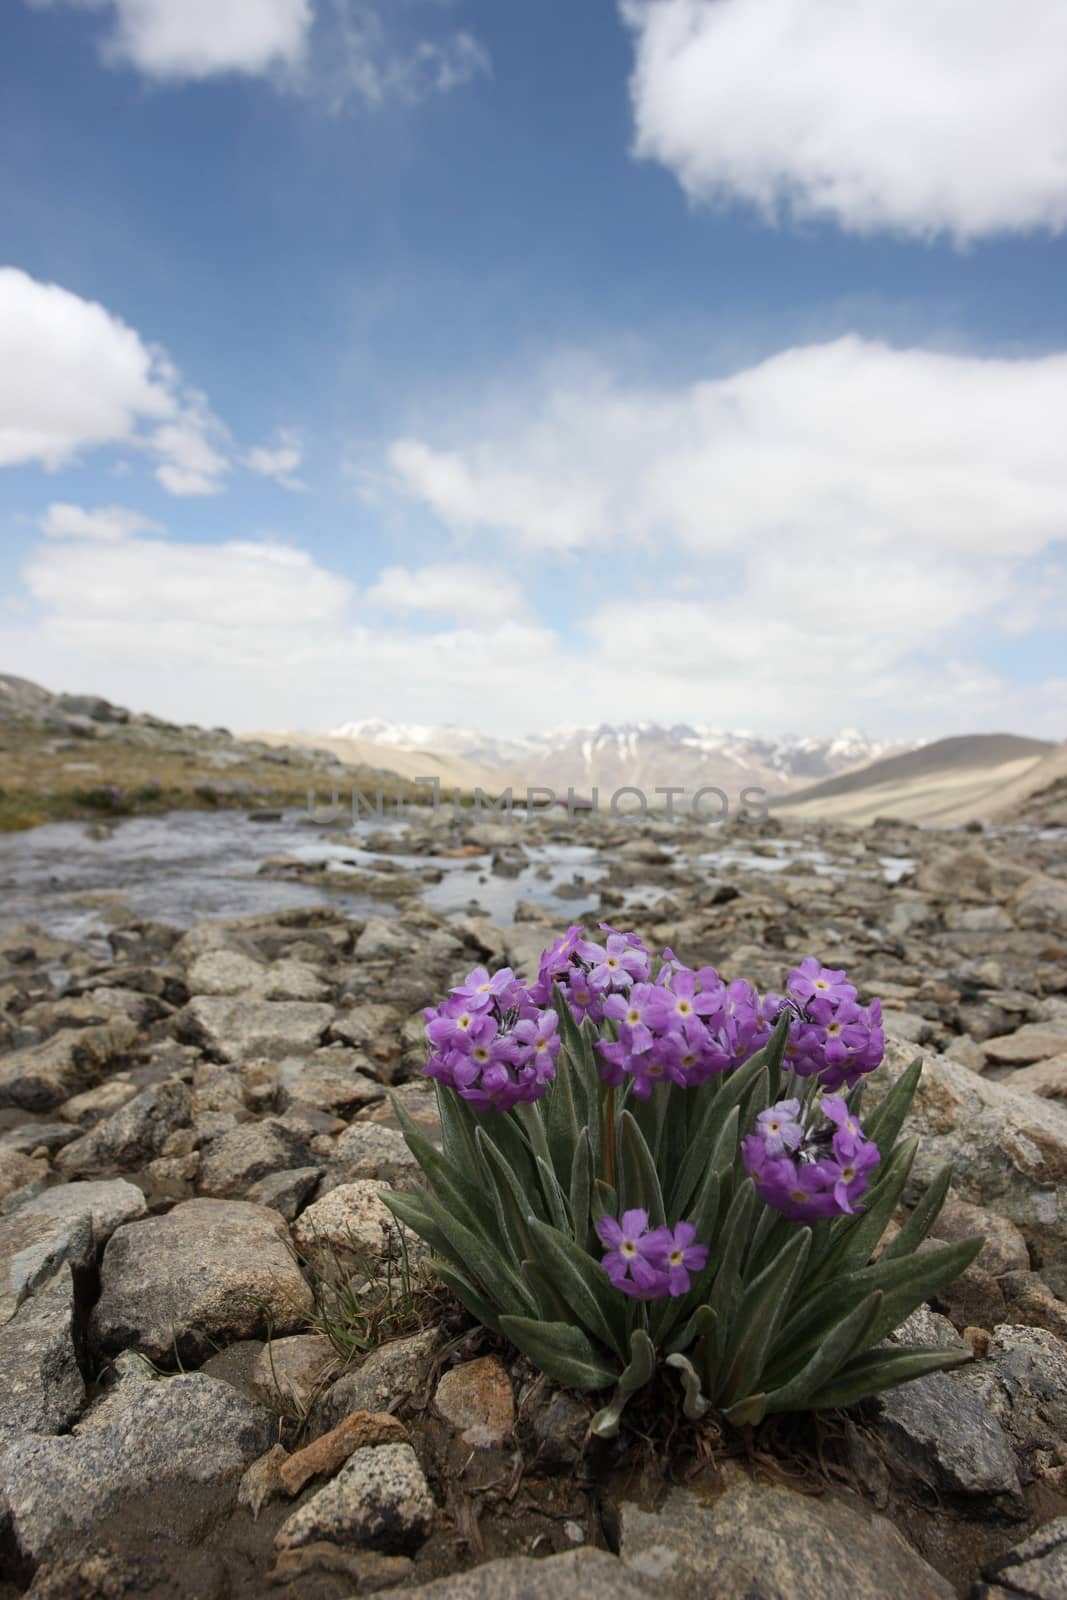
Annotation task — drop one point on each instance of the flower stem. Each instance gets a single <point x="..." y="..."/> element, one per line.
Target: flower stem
<point x="609" y="1136"/>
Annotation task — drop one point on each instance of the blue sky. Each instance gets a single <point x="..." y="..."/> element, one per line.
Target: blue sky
<point x="518" y="364"/>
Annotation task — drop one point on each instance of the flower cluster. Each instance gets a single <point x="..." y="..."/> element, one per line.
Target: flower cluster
<point x="589" y="973"/>
<point x="650" y="1263"/>
<point x="833" y="1035"/>
<point x="492" y="1042"/>
<point x="808" y="1172"/>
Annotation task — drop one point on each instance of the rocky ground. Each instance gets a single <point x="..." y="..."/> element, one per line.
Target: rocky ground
<point x="222" y="1374"/>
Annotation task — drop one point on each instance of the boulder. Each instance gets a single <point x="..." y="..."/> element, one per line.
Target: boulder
<point x="131" y="1136"/>
<point x="209" y="1271"/>
<point x="234" y="1029"/>
<point x="1035" y="1041"/>
<point x="67" y="1223"/>
<point x="383" y="1380"/>
<point x="351" y="1219"/>
<point x="44" y="1075"/>
<point x="241" y="1156"/>
<point x="147" y="1440"/>
<point x="592" y="1574"/>
<point x="41" y="1386"/>
<point x="1033" y="1570"/>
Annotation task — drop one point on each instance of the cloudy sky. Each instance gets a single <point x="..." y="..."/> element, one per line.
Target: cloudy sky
<point x="538" y="362"/>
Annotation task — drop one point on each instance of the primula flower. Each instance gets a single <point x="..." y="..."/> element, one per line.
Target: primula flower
<point x="491" y="1043"/>
<point x="814" y="1172"/>
<point x="649" y="1264"/>
<point x="833" y="1035"/>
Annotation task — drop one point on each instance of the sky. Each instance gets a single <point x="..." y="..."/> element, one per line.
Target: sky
<point x="518" y="363"/>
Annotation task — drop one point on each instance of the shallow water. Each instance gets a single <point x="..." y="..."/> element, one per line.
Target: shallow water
<point x="75" y="878"/>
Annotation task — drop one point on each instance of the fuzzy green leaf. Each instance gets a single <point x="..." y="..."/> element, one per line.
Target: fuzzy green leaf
<point x="466" y="1293"/>
<point x="695" y="1405"/>
<point x="885" y="1122"/>
<point x="759" y="1315"/>
<point x="836" y="1348"/>
<point x="581" y="1191"/>
<point x="560" y="1350"/>
<point x="583" y="1284"/>
<point x="925" y="1213"/>
<point x="638" y="1181"/>
<point x="634" y="1376"/>
<point x="883" y="1368"/>
<point x="852" y="1239"/>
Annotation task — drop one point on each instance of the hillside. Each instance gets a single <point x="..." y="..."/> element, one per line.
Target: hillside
<point x="948" y="781"/>
<point x="454" y="771"/>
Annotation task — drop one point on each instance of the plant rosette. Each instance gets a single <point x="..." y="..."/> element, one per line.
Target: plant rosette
<point x="642" y="1164"/>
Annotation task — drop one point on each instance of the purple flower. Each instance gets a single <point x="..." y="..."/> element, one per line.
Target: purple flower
<point x="491" y="1043"/>
<point x="815" y="986"/>
<point x="780" y="1128"/>
<point x="627" y="1261"/>
<point x="619" y="964"/>
<point x="812" y="1172"/>
<point x="649" y="1264"/>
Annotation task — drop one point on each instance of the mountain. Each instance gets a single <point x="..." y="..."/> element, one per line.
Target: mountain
<point x="975" y="777"/>
<point x="647" y="755"/>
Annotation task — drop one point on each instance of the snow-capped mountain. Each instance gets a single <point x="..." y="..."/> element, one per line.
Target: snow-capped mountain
<point x="645" y="754"/>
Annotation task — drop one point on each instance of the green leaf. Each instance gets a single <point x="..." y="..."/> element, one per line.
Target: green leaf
<point x="561" y="1114"/>
<point x="470" y="1251"/>
<point x="638" y="1180"/>
<point x="555" y="1199"/>
<point x="512" y="1204"/>
<point x="466" y="1293"/>
<point x="883" y="1368"/>
<point x="923" y="1216"/>
<point x="641" y="1366"/>
<point x="561" y="1351"/>
<point x="852" y="1239"/>
<point x="831" y="1354"/>
<point x="885" y="1122"/>
<point x="583" y="1285"/>
<point x="695" y="1405"/>
<point x="581" y="1191"/>
<point x="759" y="1315"/>
<point x="704" y="1134"/>
<point x="449" y="1184"/>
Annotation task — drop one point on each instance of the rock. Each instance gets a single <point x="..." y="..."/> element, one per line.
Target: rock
<point x="973" y="1300"/>
<point x="969" y="1054"/>
<point x="17" y="1170"/>
<point x="67" y="1223"/>
<point x="1046" y="1078"/>
<point x="1008" y="1150"/>
<point x="261" y="1483"/>
<point x="1034" y="1042"/>
<point x="947" y="1438"/>
<point x="286" y="1192"/>
<point x="561" y="1428"/>
<point x="148" y="1440"/>
<point x="234" y="1029"/>
<point x="1004" y="1249"/>
<point x="1035" y="1569"/>
<point x="287" y="1371"/>
<point x="329" y="1080"/>
<point x="129" y="1137"/>
<point x="1041" y="903"/>
<point x="1022" y="1385"/>
<point x="96" y="1104"/>
<point x="41" y="1387"/>
<point x="379" y="1500"/>
<point x="369" y="1150"/>
<point x="324" y="1455"/>
<point x="383" y="1380"/>
<point x="759" y="1539"/>
<point x="381" y="938"/>
<point x="592" y="1574"/>
<point x="207" y="1271"/>
<point x="230" y="972"/>
<point x="43" y="1076"/>
<point x="350" y="1219"/>
<point x="27" y="1137"/>
<point x="373" y="1027"/>
<point x="95" y="1009"/>
<point x="241" y="1156"/>
<point x="475" y="1398"/>
<point x="1032" y="1304"/>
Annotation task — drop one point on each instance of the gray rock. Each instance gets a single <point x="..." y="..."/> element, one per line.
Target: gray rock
<point x="41" y="1387"/>
<point x="131" y="1136"/>
<point x="948" y="1438"/>
<point x="95" y="1104"/>
<point x="369" y="1150"/>
<point x="67" y="1223"/>
<point x="286" y="1192"/>
<point x="476" y="1400"/>
<point x="351" y="1219"/>
<point x="147" y="1440"/>
<point x="1035" y="1569"/>
<point x="1004" y="1249"/>
<point x="593" y="1574"/>
<point x="16" y="1171"/>
<point x="382" y="937"/>
<point x="329" y="1080"/>
<point x="1008" y="1150"/>
<point x="241" y="1156"/>
<point x="30" y="1136"/>
<point x="1037" y="1041"/>
<point x="43" y="1076"/>
<point x="1041" y="903"/>
<point x="207" y="1271"/>
<point x="230" y="972"/>
<point x="379" y="1500"/>
<point x="758" y="1539"/>
<point x="234" y="1029"/>
<point x="385" y="1378"/>
<point x="1022" y="1385"/>
<point x="287" y="1371"/>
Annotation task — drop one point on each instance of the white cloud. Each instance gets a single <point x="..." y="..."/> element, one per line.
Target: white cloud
<point x="876" y="114"/>
<point x="840" y="447"/>
<point x="458" y="589"/>
<point x="74" y="377"/>
<point x="64" y="521"/>
<point x="200" y="38"/>
<point x="331" y="50"/>
<point x="280" y="461"/>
